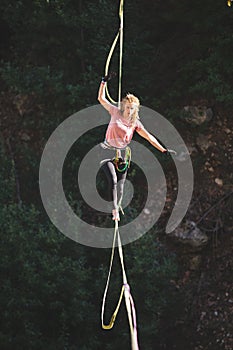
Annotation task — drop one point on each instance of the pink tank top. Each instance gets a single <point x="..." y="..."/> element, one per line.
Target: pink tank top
<point x="119" y="132"/>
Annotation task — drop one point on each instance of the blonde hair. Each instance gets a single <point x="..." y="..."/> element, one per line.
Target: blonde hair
<point x="135" y="101"/>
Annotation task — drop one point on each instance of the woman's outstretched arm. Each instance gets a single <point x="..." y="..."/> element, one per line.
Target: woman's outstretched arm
<point x="146" y="135"/>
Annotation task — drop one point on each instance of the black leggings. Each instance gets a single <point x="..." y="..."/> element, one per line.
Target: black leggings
<point x="114" y="178"/>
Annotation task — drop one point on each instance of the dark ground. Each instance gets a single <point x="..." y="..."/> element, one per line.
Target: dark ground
<point x="205" y="320"/>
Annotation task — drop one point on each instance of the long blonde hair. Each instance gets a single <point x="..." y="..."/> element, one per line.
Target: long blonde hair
<point x="135" y="101"/>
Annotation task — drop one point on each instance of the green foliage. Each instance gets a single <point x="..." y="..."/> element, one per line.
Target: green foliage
<point x="52" y="289"/>
<point x="62" y="46"/>
<point x="44" y="295"/>
<point x="42" y="82"/>
<point x="30" y="79"/>
<point x="211" y="75"/>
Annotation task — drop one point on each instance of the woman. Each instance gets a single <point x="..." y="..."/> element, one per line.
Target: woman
<point x="124" y="122"/>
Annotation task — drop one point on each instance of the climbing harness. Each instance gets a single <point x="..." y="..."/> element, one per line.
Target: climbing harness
<point x="121" y="164"/>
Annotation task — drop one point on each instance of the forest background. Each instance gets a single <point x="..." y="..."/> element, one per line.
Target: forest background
<point x="176" y="54"/>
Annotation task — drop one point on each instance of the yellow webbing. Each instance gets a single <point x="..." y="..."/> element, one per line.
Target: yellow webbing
<point x="129" y="303"/>
<point x="124" y="291"/>
<point x="119" y="34"/>
<point x="111" y="323"/>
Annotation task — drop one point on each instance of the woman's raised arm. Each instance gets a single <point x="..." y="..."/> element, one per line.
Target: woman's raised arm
<point x="102" y="98"/>
<point x="101" y="95"/>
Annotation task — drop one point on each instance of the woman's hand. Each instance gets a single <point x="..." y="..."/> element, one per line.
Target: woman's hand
<point x="101" y="95"/>
<point x="170" y="151"/>
<point x="108" y="77"/>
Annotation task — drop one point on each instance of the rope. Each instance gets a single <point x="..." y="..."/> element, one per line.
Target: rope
<point x="128" y="301"/>
<point x="119" y="34"/>
<point x="121" y="49"/>
<point x="125" y="290"/>
<point x="111" y="323"/>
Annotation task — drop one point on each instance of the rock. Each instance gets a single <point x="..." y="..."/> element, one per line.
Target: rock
<point x="195" y="262"/>
<point x="229" y="229"/>
<point x="203" y="142"/>
<point x="189" y="234"/>
<point x="182" y="156"/>
<point x="218" y="181"/>
<point x="227" y="130"/>
<point x="209" y="167"/>
<point x="20" y="102"/>
<point x="192" y="148"/>
<point x="25" y="137"/>
<point x="197" y="115"/>
<point x="146" y="211"/>
<point x="183" y="153"/>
